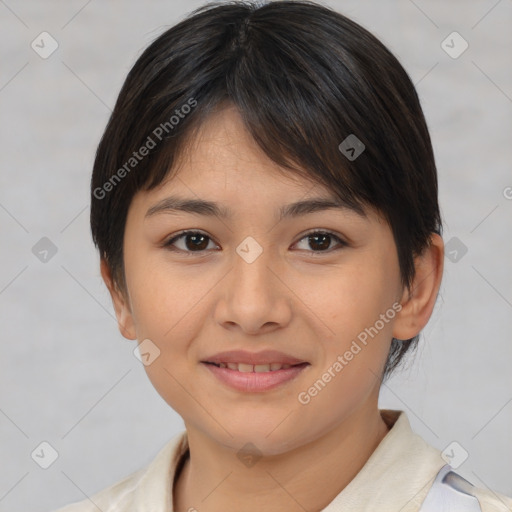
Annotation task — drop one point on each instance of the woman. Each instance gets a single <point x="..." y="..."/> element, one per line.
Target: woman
<point x="264" y="201"/>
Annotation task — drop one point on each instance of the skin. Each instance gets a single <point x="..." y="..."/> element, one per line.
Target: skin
<point x="296" y="297"/>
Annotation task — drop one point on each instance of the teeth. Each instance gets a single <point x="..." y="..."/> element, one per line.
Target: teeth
<point x="257" y="368"/>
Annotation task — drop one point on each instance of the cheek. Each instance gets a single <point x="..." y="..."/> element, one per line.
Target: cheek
<point x="164" y="314"/>
<point x="353" y="358"/>
<point x="166" y="304"/>
<point x="350" y="298"/>
<point x="356" y="305"/>
<point x="163" y="296"/>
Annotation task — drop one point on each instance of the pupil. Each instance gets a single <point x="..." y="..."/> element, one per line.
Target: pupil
<point x="324" y="245"/>
<point x="196" y="238"/>
<point x="200" y="241"/>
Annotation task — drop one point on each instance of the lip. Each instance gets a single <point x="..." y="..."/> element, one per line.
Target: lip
<point x="255" y="381"/>
<point x="245" y="357"/>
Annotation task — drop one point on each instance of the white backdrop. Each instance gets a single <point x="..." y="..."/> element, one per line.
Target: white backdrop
<point x="68" y="377"/>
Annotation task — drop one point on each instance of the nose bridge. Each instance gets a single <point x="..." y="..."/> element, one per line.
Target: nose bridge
<point x="255" y="297"/>
<point x="251" y="266"/>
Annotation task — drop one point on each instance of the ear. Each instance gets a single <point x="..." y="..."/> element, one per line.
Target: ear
<point x="418" y="302"/>
<point x="121" y="304"/>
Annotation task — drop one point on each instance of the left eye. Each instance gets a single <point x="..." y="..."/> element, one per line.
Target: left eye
<point x="195" y="241"/>
<point x="320" y="241"/>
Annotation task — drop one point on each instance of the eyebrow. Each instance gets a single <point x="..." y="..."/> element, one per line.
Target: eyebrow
<point x="175" y="204"/>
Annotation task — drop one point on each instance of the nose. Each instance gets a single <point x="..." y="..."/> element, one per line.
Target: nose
<point x="254" y="298"/>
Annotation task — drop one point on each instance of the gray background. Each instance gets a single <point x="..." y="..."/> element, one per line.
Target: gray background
<point x="68" y="377"/>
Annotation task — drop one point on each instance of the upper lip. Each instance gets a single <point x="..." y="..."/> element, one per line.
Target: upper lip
<point x="245" y="357"/>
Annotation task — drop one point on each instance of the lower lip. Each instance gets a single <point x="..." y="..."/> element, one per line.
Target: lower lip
<point x="255" y="381"/>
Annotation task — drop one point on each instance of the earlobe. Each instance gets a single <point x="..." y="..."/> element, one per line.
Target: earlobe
<point x="121" y="306"/>
<point x="418" y="302"/>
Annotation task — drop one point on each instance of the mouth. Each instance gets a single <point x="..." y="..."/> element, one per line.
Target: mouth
<point x="258" y="378"/>
<point x="255" y="368"/>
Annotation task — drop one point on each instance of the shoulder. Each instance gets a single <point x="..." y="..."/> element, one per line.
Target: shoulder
<point x="416" y="466"/>
<point x="451" y="491"/>
<point x="147" y="485"/>
<point x="491" y="501"/>
<point x="115" y="497"/>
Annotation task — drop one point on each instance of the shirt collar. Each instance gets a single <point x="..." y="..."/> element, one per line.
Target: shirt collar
<point x="395" y="478"/>
<point x="398" y="474"/>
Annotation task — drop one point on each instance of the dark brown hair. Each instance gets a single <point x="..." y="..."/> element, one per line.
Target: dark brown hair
<point x="304" y="78"/>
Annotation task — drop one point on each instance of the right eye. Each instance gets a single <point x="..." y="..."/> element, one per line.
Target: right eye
<point x="189" y="242"/>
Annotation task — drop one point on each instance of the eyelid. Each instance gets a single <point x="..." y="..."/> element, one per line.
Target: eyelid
<point x="338" y="237"/>
<point x="342" y="242"/>
<point x="168" y="244"/>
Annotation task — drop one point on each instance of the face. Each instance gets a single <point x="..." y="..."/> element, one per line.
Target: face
<point x="321" y="288"/>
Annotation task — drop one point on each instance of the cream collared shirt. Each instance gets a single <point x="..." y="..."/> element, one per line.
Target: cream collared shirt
<point x="396" y="478"/>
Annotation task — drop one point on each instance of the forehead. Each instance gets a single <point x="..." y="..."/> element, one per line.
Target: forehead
<point x="221" y="156"/>
<point x="222" y="143"/>
<point x="222" y="171"/>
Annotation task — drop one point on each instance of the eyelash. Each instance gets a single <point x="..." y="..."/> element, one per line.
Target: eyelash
<point x="169" y="244"/>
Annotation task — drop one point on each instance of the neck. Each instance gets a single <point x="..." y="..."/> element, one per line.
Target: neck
<point x="213" y="478"/>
